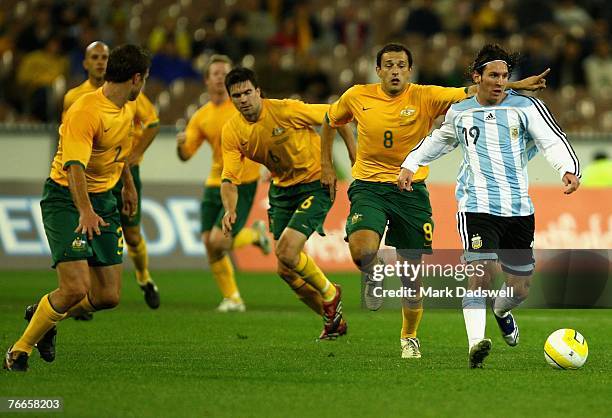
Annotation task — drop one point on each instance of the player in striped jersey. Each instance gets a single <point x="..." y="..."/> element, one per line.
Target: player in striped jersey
<point x="498" y="132"/>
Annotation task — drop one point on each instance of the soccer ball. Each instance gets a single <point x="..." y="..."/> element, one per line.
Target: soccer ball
<point x="566" y="349"/>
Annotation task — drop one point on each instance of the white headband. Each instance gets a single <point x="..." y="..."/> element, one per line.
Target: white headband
<point x="489" y="62"/>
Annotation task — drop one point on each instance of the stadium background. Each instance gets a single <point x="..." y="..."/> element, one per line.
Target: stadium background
<point x="309" y="50"/>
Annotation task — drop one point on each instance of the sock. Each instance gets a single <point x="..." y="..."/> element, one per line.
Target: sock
<point x="502" y="306"/>
<point x="475" y="316"/>
<point x="140" y="258"/>
<point x="308" y="295"/>
<point x="246" y="236"/>
<point x="223" y="272"/>
<point x="313" y="275"/>
<point x="412" y="312"/>
<point x="80" y="308"/>
<point x="43" y="320"/>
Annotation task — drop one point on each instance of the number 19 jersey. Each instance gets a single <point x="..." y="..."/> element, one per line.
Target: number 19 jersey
<point x="388" y="128"/>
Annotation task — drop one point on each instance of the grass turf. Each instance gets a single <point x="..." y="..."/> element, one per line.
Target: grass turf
<point x="187" y="360"/>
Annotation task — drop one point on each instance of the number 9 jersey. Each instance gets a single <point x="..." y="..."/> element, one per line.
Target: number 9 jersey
<point x="388" y="128"/>
<point x="96" y="134"/>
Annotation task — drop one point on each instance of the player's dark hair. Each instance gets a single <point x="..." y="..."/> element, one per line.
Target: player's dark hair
<point x="125" y="61"/>
<point x="240" y="75"/>
<point x="393" y="48"/>
<point x="492" y="52"/>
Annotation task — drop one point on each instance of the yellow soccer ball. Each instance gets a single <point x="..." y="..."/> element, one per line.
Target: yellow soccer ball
<point x="566" y="349"/>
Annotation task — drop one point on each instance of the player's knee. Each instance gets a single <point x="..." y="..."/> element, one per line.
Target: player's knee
<point x="287" y="256"/>
<point x="285" y="273"/>
<point x="108" y="300"/>
<point x="132" y="236"/>
<point x="214" y="248"/>
<point x="363" y="258"/>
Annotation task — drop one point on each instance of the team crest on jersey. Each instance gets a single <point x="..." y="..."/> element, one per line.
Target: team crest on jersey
<point x="278" y="131"/>
<point x="79" y="244"/>
<point x="357" y="217"/>
<point x="476" y="242"/>
<point x="407" y="116"/>
<point x="514" y="133"/>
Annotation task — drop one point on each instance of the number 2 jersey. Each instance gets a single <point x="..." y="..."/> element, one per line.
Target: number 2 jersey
<point x="96" y="134"/>
<point x="497" y="142"/>
<point x="282" y="139"/>
<point x="388" y="127"/>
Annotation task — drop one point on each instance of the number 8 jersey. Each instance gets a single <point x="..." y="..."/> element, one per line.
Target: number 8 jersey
<point x="388" y="127"/>
<point x="497" y="142"/>
<point x="96" y="134"/>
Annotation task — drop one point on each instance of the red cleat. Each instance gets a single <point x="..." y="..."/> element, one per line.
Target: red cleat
<point x="334" y="325"/>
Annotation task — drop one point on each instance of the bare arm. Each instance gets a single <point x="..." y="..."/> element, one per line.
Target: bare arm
<point x="89" y="221"/>
<point x="129" y="195"/>
<point x="328" y="172"/>
<point x="349" y="140"/>
<point x="229" y="197"/>
<point x="147" y="137"/>
<point x="181" y="137"/>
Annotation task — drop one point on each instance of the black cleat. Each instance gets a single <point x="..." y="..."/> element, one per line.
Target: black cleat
<point x="18" y="364"/>
<point x="46" y="345"/>
<point x="85" y="316"/>
<point x="151" y="294"/>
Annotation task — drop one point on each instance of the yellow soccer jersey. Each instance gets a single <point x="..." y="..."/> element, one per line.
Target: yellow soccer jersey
<point x="145" y="116"/>
<point x="388" y="128"/>
<point x="96" y="134"/>
<point x="282" y="139"/>
<point x="206" y="125"/>
<point x="73" y="94"/>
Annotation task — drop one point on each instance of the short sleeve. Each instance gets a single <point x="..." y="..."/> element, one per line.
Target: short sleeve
<point x="78" y="133"/>
<point x="232" y="155"/>
<point x="438" y="99"/>
<point x="145" y="112"/>
<point x="194" y="135"/>
<point x="300" y="114"/>
<point x="340" y="112"/>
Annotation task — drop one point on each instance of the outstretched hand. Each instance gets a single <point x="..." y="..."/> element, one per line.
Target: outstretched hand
<point x="535" y="82"/>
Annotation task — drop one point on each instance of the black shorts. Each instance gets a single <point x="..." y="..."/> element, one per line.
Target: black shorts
<point x="508" y="239"/>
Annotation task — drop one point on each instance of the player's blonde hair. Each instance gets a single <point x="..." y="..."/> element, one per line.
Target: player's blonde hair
<point x="214" y="59"/>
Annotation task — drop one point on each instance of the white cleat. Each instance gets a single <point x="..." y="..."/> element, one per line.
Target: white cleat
<point x="478" y="352"/>
<point x="230" y="305"/>
<point x="372" y="302"/>
<point x="264" y="240"/>
<point x="411" y="347"/>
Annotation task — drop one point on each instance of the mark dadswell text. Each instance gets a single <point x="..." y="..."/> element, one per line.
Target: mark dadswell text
<point x="430" y="292"/>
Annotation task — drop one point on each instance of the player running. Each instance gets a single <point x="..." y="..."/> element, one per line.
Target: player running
<point x="279" y="135"/>
<point x="498" y="132"/>
<point x="206" y="125"/>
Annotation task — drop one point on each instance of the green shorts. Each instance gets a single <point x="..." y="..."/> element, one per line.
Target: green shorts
<point x="212" y="211"/>
<point x="129" y="220"/>
<point x="302" y="207"/>
<point x="61" y="217"/>
<point x="408" y="214"/>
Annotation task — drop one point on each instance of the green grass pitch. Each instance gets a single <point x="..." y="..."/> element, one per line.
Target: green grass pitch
<point x="186" y="360"/>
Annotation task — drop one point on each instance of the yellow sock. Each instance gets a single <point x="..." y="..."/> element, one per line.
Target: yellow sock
<point x="312" y="274"/>
<point x="308" y="295"/>
<point x="140" y="258"/>
<point x="411" y="317"/>
<point x="223" y="272"/>
<point x="246" y="236"/>
<point x="80" y="308"/>
<point x="43" y="320"/>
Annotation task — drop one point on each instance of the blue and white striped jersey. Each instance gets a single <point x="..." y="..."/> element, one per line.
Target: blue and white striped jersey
<point x="497" y="142"/>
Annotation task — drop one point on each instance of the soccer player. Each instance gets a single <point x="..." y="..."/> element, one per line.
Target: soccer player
<point x="498" y="132"/>
<point x="79" y="210"/>
<point x="206" y="125"/>
<point x="146" y="127"/>
<point x="279" y="135"/>
<point x="392" y="116"/>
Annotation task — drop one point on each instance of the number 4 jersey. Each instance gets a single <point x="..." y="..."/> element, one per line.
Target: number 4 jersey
<point x="94" y="133"/>
<point x="497" y="142"/>
<point x="390" y="127"/>
<point x="282" y="139"/>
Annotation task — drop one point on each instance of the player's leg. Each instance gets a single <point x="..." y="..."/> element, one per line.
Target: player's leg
<point x="365" y="227"/>
<point x="304" y="291"/>
<point x="136" y="244"/>
<point x="480" y="235"/>
<point x="518" y="264"/>
<point x="256" y="234"/>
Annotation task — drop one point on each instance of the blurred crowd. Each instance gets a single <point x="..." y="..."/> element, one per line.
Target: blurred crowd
<point x="308" y="49"/>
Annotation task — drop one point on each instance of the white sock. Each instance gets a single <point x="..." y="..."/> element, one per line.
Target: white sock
<point x="503" y="305"/>
<point x="475" y="316"/>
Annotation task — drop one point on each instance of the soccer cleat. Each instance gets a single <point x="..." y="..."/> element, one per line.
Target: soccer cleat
<point x="230" y="305"/>
<point x="85" y="316"/>
<point x="508" y="328"/>
<point x="334" y="325"/>
<point x="264" y="241"/>
<point x="372" y="302"/>
<point x="151" y="294"/>
<point x="15" y="364"/>
<point x="46" y="345"/>
<point x="478" y="352"/>
<point x="411" y="347"/>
